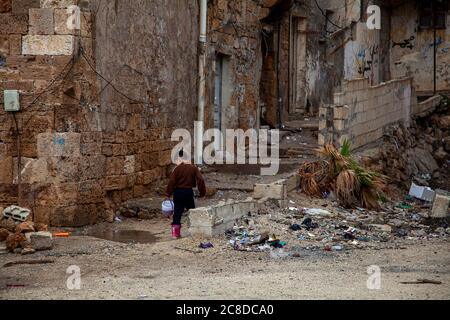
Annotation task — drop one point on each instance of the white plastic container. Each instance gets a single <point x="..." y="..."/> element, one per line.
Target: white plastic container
<point x="167" y="208"/>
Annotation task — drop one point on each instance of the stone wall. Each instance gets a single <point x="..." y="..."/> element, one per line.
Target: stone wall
<point x="148" y="49"/>
<point x="361" y="112"/>
<point x="60" y="177"/>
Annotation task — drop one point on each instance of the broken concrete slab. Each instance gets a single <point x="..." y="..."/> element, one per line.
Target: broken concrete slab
<point x="215" y="220"/>
<point x="441" y="204"/>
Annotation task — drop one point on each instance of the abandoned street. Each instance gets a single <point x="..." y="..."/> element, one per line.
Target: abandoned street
<point x="225" y="149"/>
<point x="170" y="269"/>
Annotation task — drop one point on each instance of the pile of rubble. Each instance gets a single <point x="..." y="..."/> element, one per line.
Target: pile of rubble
<point x="420" y="153"/>
<point x="333" y="228"/>
<point x="21" y="235"/>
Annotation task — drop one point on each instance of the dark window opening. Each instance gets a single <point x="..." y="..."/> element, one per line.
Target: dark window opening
<point x="434" y="8"/>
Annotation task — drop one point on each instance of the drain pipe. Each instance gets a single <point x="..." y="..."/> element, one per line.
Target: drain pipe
<point x="199" y="126"/>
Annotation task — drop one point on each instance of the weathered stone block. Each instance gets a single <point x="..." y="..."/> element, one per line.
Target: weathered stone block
<point x="47" y="45"/>
<point x="4" y="44"/>
<point x="65" y="144"/>
<point x="441" y="204"/>
<point x="115" y="182"/>
<point x="58" y="3"/>
<point x="41" y="21"/>
<point x="40" y="241"/>
<point x="6" y="172"/>
<point x="17" y="24"/>
<point x="214" y="220"/>
<point x="277" y="191"/>
<point x="5" y="6"/>
<point x="22" y="6"/>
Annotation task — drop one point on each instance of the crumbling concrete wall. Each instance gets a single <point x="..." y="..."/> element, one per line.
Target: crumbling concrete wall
<point x="412" y="52"/>
<point x="40" y="58"/>
<point x="361" y="112"/>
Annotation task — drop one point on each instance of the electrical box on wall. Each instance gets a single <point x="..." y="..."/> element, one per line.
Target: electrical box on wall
<point x="11" y="100"/>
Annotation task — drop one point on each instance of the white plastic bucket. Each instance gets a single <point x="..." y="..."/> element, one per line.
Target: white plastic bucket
<point x="167" y="208"/>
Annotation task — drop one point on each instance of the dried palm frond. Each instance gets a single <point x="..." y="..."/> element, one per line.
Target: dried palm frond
<point x="369" y="198"/>
<point x="347" y="188"/>
<point x="312" y="175"/>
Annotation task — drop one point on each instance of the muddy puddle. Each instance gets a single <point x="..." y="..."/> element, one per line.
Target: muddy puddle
<point x="123" y="236"/>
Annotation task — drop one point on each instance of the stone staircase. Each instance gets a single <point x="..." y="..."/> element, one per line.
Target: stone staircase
<point x="299" y="140"/>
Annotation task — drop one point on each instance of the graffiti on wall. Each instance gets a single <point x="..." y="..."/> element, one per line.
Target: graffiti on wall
<point x="406" y="43"/>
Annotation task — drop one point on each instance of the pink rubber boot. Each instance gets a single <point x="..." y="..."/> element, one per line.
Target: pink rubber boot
<point x="176" y="231"/>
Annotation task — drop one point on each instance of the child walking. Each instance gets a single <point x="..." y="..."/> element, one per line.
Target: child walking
<point x="183" y="179"/>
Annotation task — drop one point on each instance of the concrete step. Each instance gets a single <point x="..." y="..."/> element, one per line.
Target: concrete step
<point x="310" y="124"/>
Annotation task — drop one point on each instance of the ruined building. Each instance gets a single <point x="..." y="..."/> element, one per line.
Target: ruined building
<point x="99" y="102"/>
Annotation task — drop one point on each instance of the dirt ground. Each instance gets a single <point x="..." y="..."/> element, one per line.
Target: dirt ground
<point x="168" y="269"/>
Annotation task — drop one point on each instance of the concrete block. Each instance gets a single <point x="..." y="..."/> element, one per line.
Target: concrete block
<point x="441" y="204"/>
<point x="54" y="45"/>
<point x="277" y="191"/>
<point x="215" y="220"/>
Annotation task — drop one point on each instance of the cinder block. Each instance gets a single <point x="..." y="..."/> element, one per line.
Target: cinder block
<point x="48" y="45"/>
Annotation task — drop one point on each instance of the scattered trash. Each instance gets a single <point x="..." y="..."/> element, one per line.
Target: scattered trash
<point x="317" y="212"/>
<point x="350" y="234"/>
<point x="404" y="205"/>
<point x="293" y="209"/>
<point x="422" y="193"/>
<point x="117" y="219"/>
<point x="61" y="234"/>
<point x="308" y="224"/>
<point x="295" y="227"/>
<point x="206" y="245"/>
